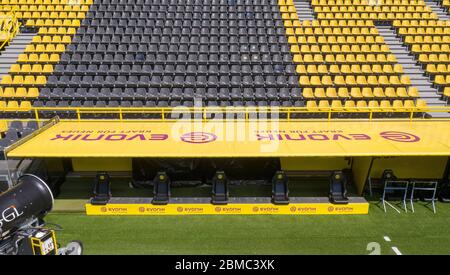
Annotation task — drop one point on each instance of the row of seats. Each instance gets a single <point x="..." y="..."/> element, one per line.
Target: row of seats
<point x="362" y="105"/>
<point x="26" y="10"/>
<point x="191" y="59"/>
<point x="192" y="3"/>
<point x="224" y="93"/>
<point x="13" y="105"/>
<point x="53" y="23"/>
<point x="351" y="80"/>
<point x="54" y="15"/>
<point x="166" y="80"/>
<point x="426" y="39"/>
<point x="434" y="69"/>
<point x="173" y="70"/>
<point x="19" y="92"/>
<point x="341" y="58"/>
<point x="117" y="18"/>
<point x="329" y="23"/>
<point x="344" y="69"/>
<point x="328" y="30"/>
<point x="445" y="30"/>
<point x="372" y="9"/>
<point x="378" y="16"/>
<point x="167" y="39"/>
<point x="204" y="8"/>
<point x="181" y="69"/>
<point x="429" y="49"/>
<point x="239" y="29"/>
<point x="420" y="23"/>
<point x="338" y="39"/>
<point x="14" y="109"/>
<point x="180" y="48"/>
<point x="356" y="92"/>
<point x="338" y="48"/>
<point x="365" y="2"/>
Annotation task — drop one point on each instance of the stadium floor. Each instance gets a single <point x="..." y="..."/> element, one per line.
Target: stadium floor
<point x="420" y="233"/>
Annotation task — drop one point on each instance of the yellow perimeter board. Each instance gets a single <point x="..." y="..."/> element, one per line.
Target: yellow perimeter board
<point x="230" y="209"/>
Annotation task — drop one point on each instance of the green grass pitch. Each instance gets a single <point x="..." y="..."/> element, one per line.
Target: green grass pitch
<point x="412" y="233"/>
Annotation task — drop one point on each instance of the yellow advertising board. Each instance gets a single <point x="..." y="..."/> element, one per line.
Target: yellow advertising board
<point x="238" y="139"/>
<point x="230" y="209"/>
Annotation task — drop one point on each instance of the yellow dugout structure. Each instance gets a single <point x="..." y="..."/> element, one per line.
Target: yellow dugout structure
<point x="415" y="149"/>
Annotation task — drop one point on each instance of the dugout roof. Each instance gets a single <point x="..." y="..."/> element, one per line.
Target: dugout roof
<point x="236" y="139"/>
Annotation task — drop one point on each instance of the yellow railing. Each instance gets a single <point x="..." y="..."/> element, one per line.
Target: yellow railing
<point x="8" y="27"/>
<point x="223" y="113"/>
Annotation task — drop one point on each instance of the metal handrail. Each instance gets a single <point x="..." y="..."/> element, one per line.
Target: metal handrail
<point x="244" y="113"/>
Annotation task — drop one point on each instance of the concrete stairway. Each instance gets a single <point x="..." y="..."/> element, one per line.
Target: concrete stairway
<point x="304" y="10"/>
<point x="438" y="9"/>
<point x="411" y="68"/>
<point x="10" y="54"/>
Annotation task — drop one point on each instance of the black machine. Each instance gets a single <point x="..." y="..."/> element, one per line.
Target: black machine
<point x="102" y="189"/>
<point x="280" y="192"/>
<point x="22" y="228"/>
<point x="161" y="189"/>
<point x="338" y="188"/>
<point x="220" y="188"/>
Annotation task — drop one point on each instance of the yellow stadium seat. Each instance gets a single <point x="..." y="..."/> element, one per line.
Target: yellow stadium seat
<point x="401" y="92"/>
<point x="373" y="104"/>
<point x="349" y="105"/>
<point x="378" y="92"/>
<point x="304" y="80"/>
<point x="367" y="92"/>
<point x="343" y="93"/>
<point x="385" y="105"/>
<point x="324" y="105"/>
<point x="408" y="104"/>
<point x="355" y="93"/>
<point x="8" y="92"/>
<point x="308" y="93"/>
<point x="311" y="106"/>
<point x="47" y="69"/>
<point x="397" y="105"/>
<point x="315" y="81"/>
<point x="12" y="105"/>
<point x="361" y="105"/>
<point x="319" y="93"/>
<point x="21" y="92"/>
<point x="413" y="92"/>
<point x="25" y="106"/>
<point x="336" y="104"/>
<point x="15" y="68"/>
<point x="331" y="93"/>
<point x="421" y="103"/>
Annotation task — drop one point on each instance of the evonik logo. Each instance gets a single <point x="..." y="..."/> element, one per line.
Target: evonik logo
<point x="399" y="136"/>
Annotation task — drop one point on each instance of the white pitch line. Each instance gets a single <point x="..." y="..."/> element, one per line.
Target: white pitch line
<point x="387" y="239"/>
<point x="396" y="250"/>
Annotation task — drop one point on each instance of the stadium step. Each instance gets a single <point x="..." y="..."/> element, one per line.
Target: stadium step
<point x="304" y="10"/>
<point x="11" y="53"/>
<point x="438" y="9"/>
<point x="411" y="68"/>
